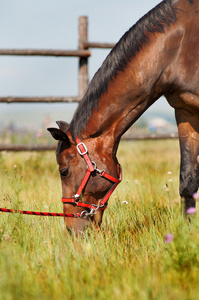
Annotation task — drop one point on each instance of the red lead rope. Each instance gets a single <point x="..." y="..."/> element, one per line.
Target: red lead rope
<point x="36" y="213"/>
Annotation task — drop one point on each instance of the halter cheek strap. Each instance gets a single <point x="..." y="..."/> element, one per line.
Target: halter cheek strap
<point x="76" y="199"/>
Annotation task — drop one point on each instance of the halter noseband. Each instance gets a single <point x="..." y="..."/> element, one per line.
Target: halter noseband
<point x="91" y="167"/>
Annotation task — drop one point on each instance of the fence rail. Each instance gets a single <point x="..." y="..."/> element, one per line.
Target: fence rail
<point x="39" y="99"/>
<point x="98" y="45"/>
<point x="48" y="52"/>
<point x="17" y="148"/>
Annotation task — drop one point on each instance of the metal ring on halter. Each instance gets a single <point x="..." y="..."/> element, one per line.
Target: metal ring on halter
<point x="79" y="150"/>
<point x="96" y="169"/>
<point x="93" y="212"/>
<point x="83" y="214"/>
<point x="94" y="165"/>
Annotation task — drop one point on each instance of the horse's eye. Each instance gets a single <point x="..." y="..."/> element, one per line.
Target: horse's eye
<point x="64" y="173"/>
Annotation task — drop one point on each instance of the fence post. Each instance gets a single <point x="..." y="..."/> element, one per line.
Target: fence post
<point x="83" y="61"/>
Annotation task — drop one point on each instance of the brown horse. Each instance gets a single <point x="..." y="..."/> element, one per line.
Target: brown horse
<point x="158" y="56"/>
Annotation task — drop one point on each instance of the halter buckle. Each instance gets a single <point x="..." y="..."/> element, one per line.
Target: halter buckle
<point x="96" y="169"/>
<point x="79" y="150"/>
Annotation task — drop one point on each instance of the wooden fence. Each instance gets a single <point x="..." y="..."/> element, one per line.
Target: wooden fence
<point x="83" y="53"/>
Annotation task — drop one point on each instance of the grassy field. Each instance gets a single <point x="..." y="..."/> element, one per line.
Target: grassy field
<point x="128" y="259"/>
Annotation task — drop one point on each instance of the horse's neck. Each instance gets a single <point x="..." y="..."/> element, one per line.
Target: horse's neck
<point x="127" y="97"/>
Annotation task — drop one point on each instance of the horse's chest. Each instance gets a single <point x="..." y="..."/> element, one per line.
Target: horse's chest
<point x="184" y="100"/>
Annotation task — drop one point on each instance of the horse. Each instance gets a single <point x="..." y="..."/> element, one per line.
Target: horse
<point x="158" y="56"/>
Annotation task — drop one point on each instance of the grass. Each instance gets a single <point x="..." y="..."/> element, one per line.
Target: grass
<point x="127" y="259"/>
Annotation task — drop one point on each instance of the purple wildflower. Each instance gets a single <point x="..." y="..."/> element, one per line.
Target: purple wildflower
<point x="191" y="210"/>
<point x="169" y="238"/>
<point x="196" y="196"/>
<point x="38" y="135"/>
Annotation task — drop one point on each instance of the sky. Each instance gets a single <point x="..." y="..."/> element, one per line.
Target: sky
<point x="53" y="24"/>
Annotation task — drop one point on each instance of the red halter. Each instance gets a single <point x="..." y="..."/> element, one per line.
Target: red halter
<point x="76" y="199"/>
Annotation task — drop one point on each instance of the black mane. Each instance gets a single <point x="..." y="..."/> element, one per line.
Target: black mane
<point x="128" y="46"/>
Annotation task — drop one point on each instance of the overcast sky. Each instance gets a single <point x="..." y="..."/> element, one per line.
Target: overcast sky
<point x="53" y="24"/>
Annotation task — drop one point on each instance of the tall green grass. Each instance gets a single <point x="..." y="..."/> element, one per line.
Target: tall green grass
<point x="127" y="259"/>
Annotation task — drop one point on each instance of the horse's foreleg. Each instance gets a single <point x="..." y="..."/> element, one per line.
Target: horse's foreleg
<point x="188" y="129"/>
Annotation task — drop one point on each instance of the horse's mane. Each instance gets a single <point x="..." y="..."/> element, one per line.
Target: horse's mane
<point x="156" y="20"/>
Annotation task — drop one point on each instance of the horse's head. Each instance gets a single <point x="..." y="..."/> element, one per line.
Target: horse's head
<point x="85" y="177"/>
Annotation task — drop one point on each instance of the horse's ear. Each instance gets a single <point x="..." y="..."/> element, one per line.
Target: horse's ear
<point x="64" y="126"/>
<point x="59" y="135"/>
